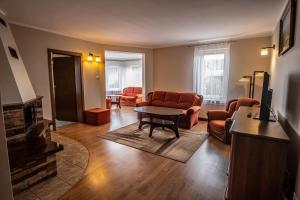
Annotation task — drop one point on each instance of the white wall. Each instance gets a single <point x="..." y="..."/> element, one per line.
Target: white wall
<point x="173" y="66"/>
<point x="33" y="46"/>
<point x="285" y="81"/>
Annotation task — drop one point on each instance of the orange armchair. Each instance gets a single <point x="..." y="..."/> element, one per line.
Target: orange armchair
<point x="131" y="96"/>
<point x="219" y="121"/>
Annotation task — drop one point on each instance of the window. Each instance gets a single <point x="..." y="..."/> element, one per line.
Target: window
<point x="211" y="65"/>
<point x="136" y="71"/>
<point x="113" y="80"/>
<point x="121" y="74"/>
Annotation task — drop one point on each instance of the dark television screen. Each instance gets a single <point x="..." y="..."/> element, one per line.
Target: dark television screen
<point x="266" y="99"/>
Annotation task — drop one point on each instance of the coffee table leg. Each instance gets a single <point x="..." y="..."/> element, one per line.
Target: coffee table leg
<point x="151" y="126"/>
<point x="151" y="130"/>
<point x="141" y="124"/>
<point x="176" y="122"/>
<point x="119" y="102"/>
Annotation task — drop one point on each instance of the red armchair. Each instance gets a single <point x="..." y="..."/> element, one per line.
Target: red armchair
<point x="219" y="121"/>
<point x="190" y="103"/>
<point x="131" y="96"/>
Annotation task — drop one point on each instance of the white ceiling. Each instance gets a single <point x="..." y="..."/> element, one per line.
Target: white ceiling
<point x="148" y="23"/>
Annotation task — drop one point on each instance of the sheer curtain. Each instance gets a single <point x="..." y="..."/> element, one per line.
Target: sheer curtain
<point x="133" y="76"/>
<point x="121" y="74"/>
<point x="211" y="69"/>
<point x="113" y="75"/>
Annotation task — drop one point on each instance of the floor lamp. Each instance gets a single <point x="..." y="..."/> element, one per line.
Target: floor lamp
<point x="246" y="79"/>
<point x="256" y="74"/>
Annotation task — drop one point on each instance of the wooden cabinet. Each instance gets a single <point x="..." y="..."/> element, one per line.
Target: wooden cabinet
<point x="258" y="158"/>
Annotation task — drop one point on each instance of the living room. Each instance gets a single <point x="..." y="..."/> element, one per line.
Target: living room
<point x="142" y="72"/>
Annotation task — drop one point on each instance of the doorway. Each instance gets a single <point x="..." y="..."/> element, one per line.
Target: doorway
<point x="123" y="70"/>
<point x="65" y="74"/>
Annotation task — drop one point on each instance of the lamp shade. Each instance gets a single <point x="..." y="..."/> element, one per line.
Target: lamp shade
<point x="259" y="74"/>
<point x="98" y="59"/>
<point x="244" y="79"/>
<point x="90" y="57"/>
<point x="264" y="52"/>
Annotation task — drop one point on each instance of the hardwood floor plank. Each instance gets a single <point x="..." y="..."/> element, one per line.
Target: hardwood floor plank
<point x="116" y="171"/>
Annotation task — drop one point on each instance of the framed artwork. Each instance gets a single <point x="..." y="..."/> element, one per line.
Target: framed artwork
<point x="287" y="27"/>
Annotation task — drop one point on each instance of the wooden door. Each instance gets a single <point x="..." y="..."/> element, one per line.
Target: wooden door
<point x="65" y="88"/>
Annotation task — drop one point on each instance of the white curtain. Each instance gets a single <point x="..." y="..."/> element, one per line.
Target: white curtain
<point x="113" y="80"/>
<point x="122" y="74"/>
<point x="211" y="69"/>
<point x="133" y="76"/>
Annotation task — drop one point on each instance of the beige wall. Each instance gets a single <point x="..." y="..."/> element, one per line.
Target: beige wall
<point x="285" y="81"/>
<point x="173" y="66"/>
<point x="33" y="46"/>
<point x="244" y="59"/>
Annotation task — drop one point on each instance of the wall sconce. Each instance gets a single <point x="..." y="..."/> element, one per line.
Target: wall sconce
<point x="98" y="59"/>
<point x="246" y="79"/>
<point x="265" y="50"/>
<point x="90" y="57"/>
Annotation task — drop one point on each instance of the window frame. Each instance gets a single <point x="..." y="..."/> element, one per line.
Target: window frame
<point x="199" y="59"/>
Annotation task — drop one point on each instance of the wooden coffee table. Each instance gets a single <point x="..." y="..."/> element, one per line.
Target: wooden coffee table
<point x="160" y="117"/>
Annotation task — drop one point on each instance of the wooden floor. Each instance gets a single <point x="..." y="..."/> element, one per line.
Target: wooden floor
<point x="116" y="171"/>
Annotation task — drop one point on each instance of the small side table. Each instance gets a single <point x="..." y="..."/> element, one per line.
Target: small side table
<point x="97" y="116"/>
<point x="116" y="99"/>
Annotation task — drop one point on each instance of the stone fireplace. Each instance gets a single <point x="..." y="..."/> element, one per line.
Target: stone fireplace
<point x="31" y="152"/>
<point x="21" y="120"/>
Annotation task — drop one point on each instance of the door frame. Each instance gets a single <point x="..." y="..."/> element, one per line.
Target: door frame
<point x="78" y="79"/>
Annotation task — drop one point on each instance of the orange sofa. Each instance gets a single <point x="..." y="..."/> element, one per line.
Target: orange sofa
<point x="190" y="103"/>
<point x="219" y="121"/>
<point x="131" y="96"/>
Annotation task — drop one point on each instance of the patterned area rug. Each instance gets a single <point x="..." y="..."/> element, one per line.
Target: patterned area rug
<point x="163" y="142"/>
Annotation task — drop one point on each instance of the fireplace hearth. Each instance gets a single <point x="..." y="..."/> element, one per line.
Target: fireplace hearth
<point x="31" y="152"/>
